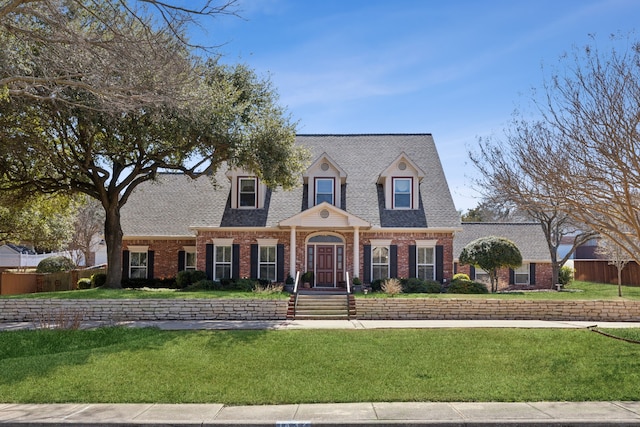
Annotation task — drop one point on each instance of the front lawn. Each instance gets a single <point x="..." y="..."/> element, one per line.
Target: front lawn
<point x="576" y="291"/>
<point x="279" y="367"/>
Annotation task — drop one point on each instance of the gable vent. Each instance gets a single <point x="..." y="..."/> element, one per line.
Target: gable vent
<point x="324" y="166"/>
<point x="324" y="214"/>
<point x="402" y="166"/>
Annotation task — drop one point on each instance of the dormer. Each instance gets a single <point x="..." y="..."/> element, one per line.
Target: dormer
<point x="401" y="183"/>
<point x="247" y="191"/>
<point x="324" y="179"/>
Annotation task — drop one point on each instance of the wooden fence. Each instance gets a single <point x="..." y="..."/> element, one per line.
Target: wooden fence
<point x="601" y="272"/>
<point x="26" y="283"/>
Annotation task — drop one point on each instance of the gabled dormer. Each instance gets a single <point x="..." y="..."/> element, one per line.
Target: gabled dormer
<point x="247" y="191"/>
<point x="324" y="179"/>
<point x="401" y="183"/>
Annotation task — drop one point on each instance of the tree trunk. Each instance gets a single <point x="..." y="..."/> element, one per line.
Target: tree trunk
<point x="113" y="239"/>
<point x="555" y="273"/>
<point x="620" y="281"/>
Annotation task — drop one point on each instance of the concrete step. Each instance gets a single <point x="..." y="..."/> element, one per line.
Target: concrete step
<point x="320" y="305"/>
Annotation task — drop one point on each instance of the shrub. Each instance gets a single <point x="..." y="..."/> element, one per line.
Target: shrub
<point x="461" y="276"/>
<point x="167" y="283"/>
<point x="275" y="288"/>
<point x="188" y="277"/>
<point x="415" y="285"/>
<point x="203" y="285"/>
<point x="376" y="285"/>
<point x="392" y="287"/>
<point x="98" y="279"/>
<point x="244" y="285"/>
<point x="55" y="264"/>
<point x="565" y="275"/>
<point x="85" y="283"/>
<point x="461" y="286"/>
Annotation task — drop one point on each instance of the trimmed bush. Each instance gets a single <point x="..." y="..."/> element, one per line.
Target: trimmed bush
<point x="55" y="264"/>
<point x="376" y="285"/>
<point x="414" y="285"/>
<point x="461" y="276"/>
<point x="84" y="283"/>
<point x="188" y="277"/>
<point x="462" y="286"/>
<point x="203" y="285"/>
<point x="98" y="279"/>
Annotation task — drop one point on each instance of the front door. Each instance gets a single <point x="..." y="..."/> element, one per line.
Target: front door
<point x="325" y="265"/>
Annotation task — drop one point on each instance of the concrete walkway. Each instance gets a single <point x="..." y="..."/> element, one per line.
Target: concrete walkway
<point x="413" y="414"/>
<point x="348" y="414"/>
<point x="338" y="324"/>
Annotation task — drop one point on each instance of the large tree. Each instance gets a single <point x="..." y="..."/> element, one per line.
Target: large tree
<point x="581" y="149"/>
<point x="168" y="111"/>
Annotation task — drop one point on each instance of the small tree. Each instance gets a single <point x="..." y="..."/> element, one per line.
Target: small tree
<point x="615" y="255"/>
<point x="491" y="253"/>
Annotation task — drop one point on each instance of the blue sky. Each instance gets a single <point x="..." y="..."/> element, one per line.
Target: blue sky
<point x="454" y="68"/>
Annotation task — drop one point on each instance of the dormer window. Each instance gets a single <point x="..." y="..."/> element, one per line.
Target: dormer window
<point x="324" y="190"/>
<point x="247" y="192"/>
<point x="402" y="193"/>
<point x="401" y="184"/>
<point x="324" y="180"/>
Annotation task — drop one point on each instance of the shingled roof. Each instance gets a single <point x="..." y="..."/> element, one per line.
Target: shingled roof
<point x="174" y="203"/>
<point x="527" y="236"/>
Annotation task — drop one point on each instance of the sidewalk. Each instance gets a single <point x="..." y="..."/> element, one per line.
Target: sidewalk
<point x="347" y="414"/>
<point x="339" y="324"/>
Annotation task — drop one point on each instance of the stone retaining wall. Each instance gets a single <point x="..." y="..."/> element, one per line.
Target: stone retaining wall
<point x="106" y="310"/>
<point x="494" y="309"/>
<point x="30" y="310"/>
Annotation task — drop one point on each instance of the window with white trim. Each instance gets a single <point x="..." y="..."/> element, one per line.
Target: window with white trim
<point x="222" y="262"/>
<point x="425" y="263"/>
<point x="521" y="275"/>
<point x="190" y="260"/>
<point x="324" y="190"/>
<point x="247" y="192"/>
<point x="138" y="265"/>
<point x="402" y="193"/>
<point x="267" y="263"/>
<point x="379" y="263"/>
<point x="482" y="277"/>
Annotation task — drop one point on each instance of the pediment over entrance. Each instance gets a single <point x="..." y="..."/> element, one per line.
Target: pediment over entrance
<point x="325" y="215"/>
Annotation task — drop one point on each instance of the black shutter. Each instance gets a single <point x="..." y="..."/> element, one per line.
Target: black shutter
<point x="512" y="276"/>
<point x="181" y="260"/>
<point x="150" y="261"/>
<point x="235" y="266"/>
<point x="455" y="268"/>
<point x="532" y="273"/>
<point x="472" y="272"/>
<point x="280" y="263"/>
<point x="208" y="268"/>
<point x="412" y="261"/>
<point x="125" y="264"/>
<point x="254" y="261"/>
<point x="393" y="261"/>
<point x="439" y="263"/>
<point x="367" y="264"/>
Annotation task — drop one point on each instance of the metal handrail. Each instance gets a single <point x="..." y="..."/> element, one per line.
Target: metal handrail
<point x="295" y="285"/>
<point x="348" y="285"/>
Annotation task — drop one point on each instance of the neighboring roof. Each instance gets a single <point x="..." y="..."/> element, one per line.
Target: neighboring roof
<point x="174" y="203"/>
<point x="527" y="236"/>
<point x="13" y="248"/>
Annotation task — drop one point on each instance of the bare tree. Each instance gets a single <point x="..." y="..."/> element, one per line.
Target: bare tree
<point x="508" y="179"/>
<point x="615" y="256"/>
<point x="88" y="226"/>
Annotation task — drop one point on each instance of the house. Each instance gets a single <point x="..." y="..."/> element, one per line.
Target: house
<point x="372" y="206"/>
<point x="535" y="271"/>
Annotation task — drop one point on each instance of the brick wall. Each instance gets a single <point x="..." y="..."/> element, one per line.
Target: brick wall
<point x="165" y="257"/>
<point x="543" y="277"/>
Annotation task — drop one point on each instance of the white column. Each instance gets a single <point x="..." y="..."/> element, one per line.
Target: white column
<point x="356" y="252"/>
<point x="292" y="252"/>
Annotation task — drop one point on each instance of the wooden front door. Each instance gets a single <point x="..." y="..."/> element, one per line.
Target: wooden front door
<point x="325" y="265"/>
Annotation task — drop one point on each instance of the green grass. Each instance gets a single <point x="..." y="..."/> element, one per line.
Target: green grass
<point x="576" y="291"/>
<point x="279" y="367"/>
